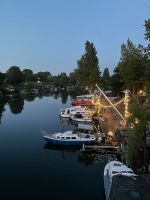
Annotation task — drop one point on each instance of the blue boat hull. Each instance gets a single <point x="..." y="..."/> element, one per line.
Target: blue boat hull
<point x="69" y="143"/>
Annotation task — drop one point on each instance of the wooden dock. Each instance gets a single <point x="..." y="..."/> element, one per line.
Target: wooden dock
<point x="99" y="148"/>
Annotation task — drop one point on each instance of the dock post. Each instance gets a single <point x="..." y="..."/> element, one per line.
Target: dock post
<point x="83" y="147"/>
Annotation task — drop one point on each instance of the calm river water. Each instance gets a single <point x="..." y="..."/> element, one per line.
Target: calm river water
<point x="31" y="169"/>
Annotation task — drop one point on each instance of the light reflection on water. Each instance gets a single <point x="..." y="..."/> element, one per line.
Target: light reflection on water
<point x="32" y="169"/>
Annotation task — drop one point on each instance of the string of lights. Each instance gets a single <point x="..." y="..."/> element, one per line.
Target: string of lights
<point x="126" y="102"/>
<point x="109" y="106"/>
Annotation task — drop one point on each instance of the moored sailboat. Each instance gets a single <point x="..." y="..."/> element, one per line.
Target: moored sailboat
<point x="68" y="138"/>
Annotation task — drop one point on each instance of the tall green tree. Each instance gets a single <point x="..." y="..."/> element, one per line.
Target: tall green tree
<point x="147" y="75"/>
<point x="106" y="79"/>
<point x="55" y="81"/>
<point x="27" y="75"/>
<point x="136" y="152"/>
<point x="88" y="73"/>
<point x="147" y="52"/>
<point x="63" y="80"/>
<point x="43" y="76"/>
<point x="147" y="29"/>
<point x="14" y="75"/>
<point x="2" y="78"/>
<point x="116" y="82"/>
<point x="132" y="66"/>
<point x="73" y="79"/>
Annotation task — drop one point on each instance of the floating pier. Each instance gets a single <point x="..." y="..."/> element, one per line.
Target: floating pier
<point x="99" y="148"/>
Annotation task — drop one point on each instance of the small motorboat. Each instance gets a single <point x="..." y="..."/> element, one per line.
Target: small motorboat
<point x="78" y="117"/>
<point x="65" y="113"/>
<point x="120" y="182"/>
<point x="68" y="138"/>
<point x="83" y="100"/>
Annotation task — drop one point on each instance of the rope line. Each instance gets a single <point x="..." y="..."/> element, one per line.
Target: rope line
<point x="115" y="104"/>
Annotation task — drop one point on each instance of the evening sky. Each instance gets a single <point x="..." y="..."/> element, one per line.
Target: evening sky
<point x="50" y="35"/>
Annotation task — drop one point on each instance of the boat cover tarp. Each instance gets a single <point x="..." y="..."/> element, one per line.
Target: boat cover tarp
<point x="129" y="188"/>
<point x="85" y="127"/>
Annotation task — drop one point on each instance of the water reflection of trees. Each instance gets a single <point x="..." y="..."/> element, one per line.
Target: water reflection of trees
<point x="56" y="95"/>
<point x="29" y="98"/>
<point x="40" y="95"/>
<point x="73" y="94"/>
<point x="64" y="97"/>
<point x="16" y="105"/>
<point x="2" y="109"/>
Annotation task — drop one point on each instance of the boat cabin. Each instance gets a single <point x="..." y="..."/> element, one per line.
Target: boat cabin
<point x="67" y="137"/>
<point x="85" y="128"/>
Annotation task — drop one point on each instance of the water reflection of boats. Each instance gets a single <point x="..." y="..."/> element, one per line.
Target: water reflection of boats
<point x="87" y="159"/>
<point x="64" y="150"/>
<point x="50" y="146"/>
<point x="120" y="182"/>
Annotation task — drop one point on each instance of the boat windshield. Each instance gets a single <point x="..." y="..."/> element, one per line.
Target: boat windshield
<point x="117" y="164"/>
<point x="130" y="172"/>
<point x="114" y="172"/>
<point x="74" y="131"/>
<point x="78" y="115"/>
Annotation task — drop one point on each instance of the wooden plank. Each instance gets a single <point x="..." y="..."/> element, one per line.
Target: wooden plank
<point x="100" y="147"/>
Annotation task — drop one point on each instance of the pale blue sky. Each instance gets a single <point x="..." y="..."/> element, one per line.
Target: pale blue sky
<point x="49" y="35"/>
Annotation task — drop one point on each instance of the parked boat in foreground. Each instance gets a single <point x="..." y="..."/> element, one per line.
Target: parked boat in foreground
<point x="120" y="182"/>
<point x="68" y="138"/>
